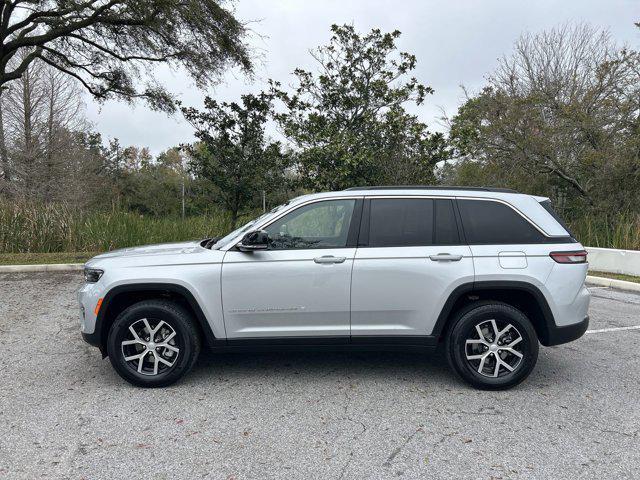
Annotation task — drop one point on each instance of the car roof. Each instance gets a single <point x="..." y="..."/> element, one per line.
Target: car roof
<point x="433" y="187"/>
<point x="504" y="194"/>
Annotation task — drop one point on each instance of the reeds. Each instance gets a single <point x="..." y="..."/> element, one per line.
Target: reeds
<point x="29" y="227"/>
<point x="608" y="231"/>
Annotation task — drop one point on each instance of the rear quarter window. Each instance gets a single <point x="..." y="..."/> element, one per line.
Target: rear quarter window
<point x="489" y="222"/>
<point x="546" y="204"/>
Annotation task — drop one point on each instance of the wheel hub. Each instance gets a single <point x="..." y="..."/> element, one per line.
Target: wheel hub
<point x="494" y="350"/>
<point x="150" y="346"/>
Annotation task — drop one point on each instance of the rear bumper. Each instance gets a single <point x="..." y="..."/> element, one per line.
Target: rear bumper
<point x="566" y="333"/>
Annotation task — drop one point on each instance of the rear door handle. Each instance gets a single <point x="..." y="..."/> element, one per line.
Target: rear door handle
<point x="445" y="257"/>
<point x="325" y="259"/>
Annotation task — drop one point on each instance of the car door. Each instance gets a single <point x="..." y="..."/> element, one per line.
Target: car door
<point x="299" y="286"/>
<point x="410" y="257"/>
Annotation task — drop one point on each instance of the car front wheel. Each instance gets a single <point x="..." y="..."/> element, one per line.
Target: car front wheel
<point x="492" y="346"/>
<point x="153" y="343"/>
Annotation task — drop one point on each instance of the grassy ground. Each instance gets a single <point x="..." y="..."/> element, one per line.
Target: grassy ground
<point x="616" y="276"/>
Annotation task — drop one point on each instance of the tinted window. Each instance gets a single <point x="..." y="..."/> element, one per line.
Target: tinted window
<point x="549" y="208"/>
<point x="401" y="222"/>
<point x="487" y="222"/>
<point x="445" y="222"/>
<point x="316" y="225"/>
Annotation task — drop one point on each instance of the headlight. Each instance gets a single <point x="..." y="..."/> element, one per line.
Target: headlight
<point x="92" y="275"/>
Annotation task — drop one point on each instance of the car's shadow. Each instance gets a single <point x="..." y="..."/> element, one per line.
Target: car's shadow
<point x="336" y="366"/>
<point x="327" y="365"/>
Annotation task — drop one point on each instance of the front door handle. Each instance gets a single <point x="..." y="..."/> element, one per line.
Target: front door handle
<point x="445" y="257"/>
<point x="325" y="259"/>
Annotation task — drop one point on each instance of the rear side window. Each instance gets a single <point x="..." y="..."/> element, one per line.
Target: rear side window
<point x="487" y="222"/>
<point x="401" y="222"/>
<point x="407" y="222"/>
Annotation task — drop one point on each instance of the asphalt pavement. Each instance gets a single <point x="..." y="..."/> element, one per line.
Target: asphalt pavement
<point x="64" y="413"/>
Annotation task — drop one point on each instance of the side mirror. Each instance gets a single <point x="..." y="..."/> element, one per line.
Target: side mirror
<point x="256" y="240"/>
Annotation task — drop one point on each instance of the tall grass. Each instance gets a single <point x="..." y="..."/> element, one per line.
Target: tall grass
<point x="608" y="231"/>
<point x="28" y="227"/>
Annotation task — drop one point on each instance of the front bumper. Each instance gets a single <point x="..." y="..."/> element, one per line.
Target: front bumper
<point x="92" y="339"/>
<point x="88" y="297"/>
<point x="567" y="333"/>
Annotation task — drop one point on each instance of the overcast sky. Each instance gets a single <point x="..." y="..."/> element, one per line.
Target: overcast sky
<point x="457" y="42"/>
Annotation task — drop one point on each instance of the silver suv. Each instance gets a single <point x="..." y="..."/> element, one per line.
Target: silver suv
<point x="486" y="274"/>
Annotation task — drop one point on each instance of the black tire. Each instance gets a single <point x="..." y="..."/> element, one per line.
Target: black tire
<point x="186" y="341"/>
<point x="464" y="327"/>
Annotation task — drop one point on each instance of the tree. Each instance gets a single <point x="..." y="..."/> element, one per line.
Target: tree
<point x="4" y="154"/>
<point x="558" y="117"/>
<point x="348" y="122"/>
<point x="107" y="45"/>
<point x="41" y="113"/>
<point x="233" y="151"/>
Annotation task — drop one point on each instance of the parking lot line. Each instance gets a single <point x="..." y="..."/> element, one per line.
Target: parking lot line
<point x="614" y="329"/>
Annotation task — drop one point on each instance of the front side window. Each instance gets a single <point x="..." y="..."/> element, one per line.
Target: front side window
<point x="493" y="223"/>
<point x="316" y="225"/>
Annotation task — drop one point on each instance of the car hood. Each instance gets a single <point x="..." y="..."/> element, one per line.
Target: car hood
<point x="158" y="249"/>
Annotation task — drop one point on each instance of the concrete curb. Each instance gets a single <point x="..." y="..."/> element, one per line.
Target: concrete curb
<point x="612" y="283"/>
<point x="54" y="267"/>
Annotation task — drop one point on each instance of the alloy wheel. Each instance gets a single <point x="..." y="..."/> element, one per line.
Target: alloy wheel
<point x="494" y="348"/>
<point x="150" y="346"/>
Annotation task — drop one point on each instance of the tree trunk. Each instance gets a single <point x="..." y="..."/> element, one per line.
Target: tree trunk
<point x="234" y="216"/>
<point x="235" y="208"/>
<point x="49" y="173"/>
<point x="28" y="154"/>
<point x="4" y="156"/>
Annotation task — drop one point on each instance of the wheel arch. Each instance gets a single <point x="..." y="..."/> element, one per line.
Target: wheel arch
<point x="123" y="296"/>
<point x="522" y="295"/>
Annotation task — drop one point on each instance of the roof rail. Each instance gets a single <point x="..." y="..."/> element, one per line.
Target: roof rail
<point x="433" y="187"/>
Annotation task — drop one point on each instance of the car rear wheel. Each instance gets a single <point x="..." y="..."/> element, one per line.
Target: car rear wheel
<point x="492" y="346"/>
<point x="153" y="343"/>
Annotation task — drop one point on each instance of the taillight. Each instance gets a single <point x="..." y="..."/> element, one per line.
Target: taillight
<point x="570" y="257"/>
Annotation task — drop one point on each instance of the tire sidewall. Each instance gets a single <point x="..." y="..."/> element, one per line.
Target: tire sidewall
<point x="187" y="340"/>
<point x="458" y="335"/>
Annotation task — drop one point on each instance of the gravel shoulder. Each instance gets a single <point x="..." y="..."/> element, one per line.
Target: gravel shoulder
<point x="64" y="413"/>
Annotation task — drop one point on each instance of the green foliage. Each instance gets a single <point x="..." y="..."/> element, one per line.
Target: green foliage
<point x="233" y="152"/>
<point x="348" y="121"/>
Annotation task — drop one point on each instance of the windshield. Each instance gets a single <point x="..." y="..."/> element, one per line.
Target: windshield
<point x="246" y="227"/>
